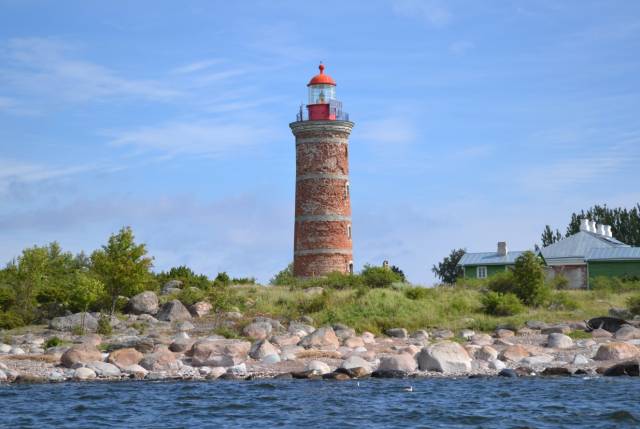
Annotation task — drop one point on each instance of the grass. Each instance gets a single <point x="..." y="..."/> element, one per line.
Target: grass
<point x="454" y="308"/>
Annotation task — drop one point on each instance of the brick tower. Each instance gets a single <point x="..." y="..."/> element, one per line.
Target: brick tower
<point x="322" y="235"/>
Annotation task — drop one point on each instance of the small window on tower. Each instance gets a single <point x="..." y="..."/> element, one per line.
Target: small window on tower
<point x="346" y="190"/>
<point x="349" y="231"/>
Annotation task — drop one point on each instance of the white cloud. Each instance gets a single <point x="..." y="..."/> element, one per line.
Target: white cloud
<point x="431" y="11"/>
<point x="196" y="66"/>
<point x="45" y="67"/>
<point x="192" y="138"/>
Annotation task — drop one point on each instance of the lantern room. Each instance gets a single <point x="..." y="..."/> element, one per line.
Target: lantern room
<point x="323" y="105"/>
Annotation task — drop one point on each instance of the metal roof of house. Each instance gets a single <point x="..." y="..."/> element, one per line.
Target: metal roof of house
<point x="577" y="245"/>
<point x="613" y="253"/>
<point x="489" y="258"/>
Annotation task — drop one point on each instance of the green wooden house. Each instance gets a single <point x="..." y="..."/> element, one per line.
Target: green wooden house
<point x="485" y="264"/>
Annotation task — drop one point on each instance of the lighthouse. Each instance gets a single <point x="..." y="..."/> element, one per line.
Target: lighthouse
<point x="322" y="240"/>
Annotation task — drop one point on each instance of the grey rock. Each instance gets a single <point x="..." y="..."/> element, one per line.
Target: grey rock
<point x="262" y="348"/>
<point x="74" y="321"/>
<point x="84" y="374"/>
<point x="171" y="286"/>
<point x="143" y="303"/>
<point x="174" y="311"/>
<point x="258" y="330"/>
<point x="321" y="338"/>
<point x="270" y="359"/>
<point x="397" y="333"/>
<point x="446" y="357"/>
<point x="403" y="362"/>
<point x="318" y="367"/>
<point x="104" y="369"/>
<point x="559" y="341"/>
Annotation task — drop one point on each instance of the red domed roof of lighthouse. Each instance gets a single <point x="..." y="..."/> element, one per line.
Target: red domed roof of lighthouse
<point x="321" y="78"/>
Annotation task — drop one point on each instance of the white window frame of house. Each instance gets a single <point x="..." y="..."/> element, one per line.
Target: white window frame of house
<point x="481" y="272"/>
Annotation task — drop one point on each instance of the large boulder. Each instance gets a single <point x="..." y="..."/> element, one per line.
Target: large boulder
<point x="80" y="354"/>
<point x="173" y="311"/>
<point x="262" y="348"/>
<point x="73" y="322"/>
<point x="403" y="362"/>
<point x="487" y="353"/>
<point x="317" y="367"/>
<point x="559" y="341"/>
<point x="258" y="330"/>
<point x="514" y="353"/>
<point x="354" y="362"/>
<point x="616" y="351"/>
<point x="482" y="340"/>
<point x="627" y="332"/>
<point x="105" y="369"/>
<point x="123" y="358"/>
<point x="322" y="338"/>
<point x="219" y="352"/>
<point x="397" y="333"/>
<point x="200" y="309"/>
<point x="285" y="340"/>
<point x="161" y="359"/>
<point x="446" y="357"/>
<point x="84" y="374"/>
<point x="353" y="342"/>
<point x="143" y="303"/>
<point x="172" y="286"/>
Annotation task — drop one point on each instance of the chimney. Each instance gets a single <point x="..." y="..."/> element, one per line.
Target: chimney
<point x="584" y="224"/>
<point x="592" y="226"/>
<point x="601" y="230"/>
<point x="502" y="248"/>
<point x="607" y="231"/>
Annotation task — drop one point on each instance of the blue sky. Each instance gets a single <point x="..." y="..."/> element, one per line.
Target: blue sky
<point x="475" y="122"/>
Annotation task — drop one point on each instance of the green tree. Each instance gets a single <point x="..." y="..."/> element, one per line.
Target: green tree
<point x="284" y="277"/>
<point x="625" y="223"/>
<point x="448" y="270"/>
<point x="377" y="277"/>
<point x="549" y="237"/>
<point x="528" y="279"/>
<point x="399" y="273"/>
<point x="186" y="276"/>
<point x="122" y="266"/>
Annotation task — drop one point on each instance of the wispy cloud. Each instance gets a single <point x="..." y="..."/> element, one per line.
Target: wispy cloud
<point x="46" y="67"/>
<point x="12" y="171"/>
<point x="171" y="139"/>
<point x="196" y="66"/>
<point x="433" y="12"/>
<point x="13" y="106"/>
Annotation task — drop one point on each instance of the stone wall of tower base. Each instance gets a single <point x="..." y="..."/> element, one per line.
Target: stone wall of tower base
<point x="320" y="265"/>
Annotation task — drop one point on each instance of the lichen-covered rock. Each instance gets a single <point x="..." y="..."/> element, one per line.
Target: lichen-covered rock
<point x="317" y="367"/>
<point x="84" y="374"/>
<point x="627" y="332"/>
<point x="559" y="341"/>
<point x="482" y="340"/>
<point x="402" y="362"/>
<point x="322" y="338"/>
<point x="143" y="303"/>
<point x="616" y="351"/>
<point x="219" y="352"/>
<point x="258" y="330"/>
<point x="200" y="309"/>
<point x="487" y="353"/>
<point x="80" y="353"/>
<point x="445" y="357"/>
<point x="514" y="353"/>
<point x="162" y="359"/>
<point x="123" y="358"/>
<point x="173" y="311"/>
<point x="74" y="321"/>
<point x="397" y="333"/>
<point x="104" y="369"/>
<point x="262" y="348"/>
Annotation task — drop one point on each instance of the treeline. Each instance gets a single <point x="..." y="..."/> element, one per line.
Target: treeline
<point x="625" y="224"/>
<point x="46" y="282"/>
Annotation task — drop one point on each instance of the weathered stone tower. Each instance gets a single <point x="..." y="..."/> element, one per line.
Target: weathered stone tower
<point x="322" y="237"/>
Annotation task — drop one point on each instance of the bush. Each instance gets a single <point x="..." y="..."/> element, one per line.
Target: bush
<point x="563" y="301"/>
<point x="499" y="304"/>
<point x="560" y="282"/>
<point x="191" y="295"/>
<point x="614" y="284"/>
<point x="53" y="342"/>
<point x="10" y="320"/>
<point x="633" y="303"/>
<point x="222" y="279"/>
<point x="378" y="277"/>
<point x="104" y="326"/>
<point x="416" y="293"/>
<point x="502" y="282"/>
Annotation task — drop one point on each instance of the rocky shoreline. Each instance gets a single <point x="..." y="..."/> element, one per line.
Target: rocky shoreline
<point x="173" y="342"/>
<point x="184" y="349"/>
